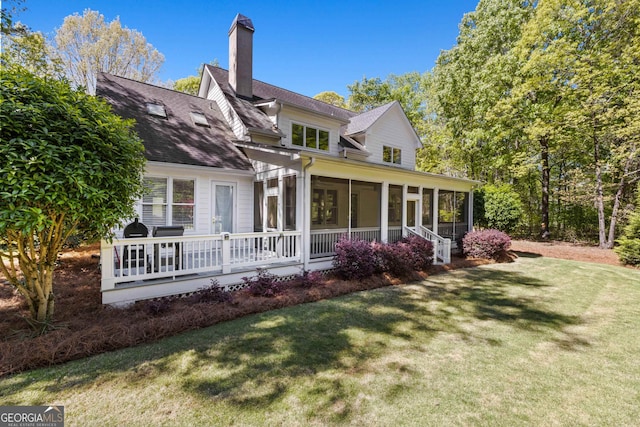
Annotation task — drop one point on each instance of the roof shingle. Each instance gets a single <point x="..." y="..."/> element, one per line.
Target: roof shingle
<point x="175" y="139"/>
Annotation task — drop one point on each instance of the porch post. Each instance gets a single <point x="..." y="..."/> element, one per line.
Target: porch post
<point x="106" y="266"/>
<point x="436" y="195"/>
<point x="404" y="209"/>
<point x="226" y="253"/>
<point x="470" y="213"/>
<point x="384" y="212"/>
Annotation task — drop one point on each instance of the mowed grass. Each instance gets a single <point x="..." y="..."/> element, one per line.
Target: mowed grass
<point x="536" y="342"/>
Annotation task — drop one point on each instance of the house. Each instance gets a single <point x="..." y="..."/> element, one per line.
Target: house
<point x="247" y="175"/>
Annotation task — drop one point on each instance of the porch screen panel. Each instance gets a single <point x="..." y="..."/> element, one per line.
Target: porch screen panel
<point x="366" y="212"/>
<point x="154" y="202"/>
<point x="289" y="202"/>
<point x="427" y="208"/>
<point x="395" y="205"/>
<point x="272" y="212"/>
<point x="329" y="202"/>
<point x="462" y="214"/>
<point x="446" y="213"/>
<point x="224" y="208"/>
<point x="258" y="206"/>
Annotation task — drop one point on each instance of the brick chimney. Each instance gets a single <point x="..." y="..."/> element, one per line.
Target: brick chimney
<point x="241" y="56"/>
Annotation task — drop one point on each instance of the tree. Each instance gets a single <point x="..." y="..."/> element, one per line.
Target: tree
<point x="23" y="46"/>
<point x="332" y="98"/>
<point x="629" y="244"/>
<point x="69" y="166"/>
<point x="579" y="83"/>
<point x="189" y="84"/>
<point x="86" y="45"/>
<point x="500" y="207"/>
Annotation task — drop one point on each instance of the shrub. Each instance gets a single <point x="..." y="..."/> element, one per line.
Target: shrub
<point x="501" y="207"/>
<point x="264" y="284"/>
<point x="354" y="259"/>
<point x="422" y="250"/>
<point x="309" y="279"/>
<point x="629" y="244"/>
<point x="489" y="244"/>
<point x="157" y="307"/>
<point x="395" y="258"/>
<point x="213" y="293"/>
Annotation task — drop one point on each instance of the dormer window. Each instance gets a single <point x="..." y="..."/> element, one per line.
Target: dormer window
<point x="156" y="110"/>
<point x="199" y="119"/>
<point x="391" y="155"/>
<point x="309" y="137"/>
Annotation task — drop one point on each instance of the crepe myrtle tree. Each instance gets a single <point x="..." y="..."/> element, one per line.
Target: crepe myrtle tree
<point x="69" y="166"/>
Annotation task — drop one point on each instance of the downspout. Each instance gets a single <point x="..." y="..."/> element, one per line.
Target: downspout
<point x="305" y="255"/>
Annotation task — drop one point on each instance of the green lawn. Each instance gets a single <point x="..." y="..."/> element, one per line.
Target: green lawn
<point x="537" y="342"/>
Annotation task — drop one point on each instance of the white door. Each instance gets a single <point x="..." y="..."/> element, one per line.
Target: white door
<point x="411" y="213"/>
<point x="223" y="208"/>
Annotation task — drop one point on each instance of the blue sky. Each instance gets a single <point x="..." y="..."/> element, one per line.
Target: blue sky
<point x="304" y="46"/>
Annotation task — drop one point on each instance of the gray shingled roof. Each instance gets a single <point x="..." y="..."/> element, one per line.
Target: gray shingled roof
<point x="265" y="91"/>
<point x="364" y="121"/>
<point x="175" y="139"/>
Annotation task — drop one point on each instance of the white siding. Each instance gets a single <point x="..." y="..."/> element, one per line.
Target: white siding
<point x="203" y="191"/>
<point x="215" y="94"/>
<point x="392" y="130"/>
<point x="289" y="116"/>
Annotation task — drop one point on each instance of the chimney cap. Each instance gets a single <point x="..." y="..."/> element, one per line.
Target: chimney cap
<point x="243" y="21"/>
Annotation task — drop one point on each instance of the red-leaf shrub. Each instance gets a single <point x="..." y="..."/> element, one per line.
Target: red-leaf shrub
<point x="309" y="279"/>
<point x="354" y="259"/>
<point x="264" y="284"/>
<point x="395" y="258"/>
<point x="488" y="244"/>
<point x="213" y="293"/>
<point x="422" y="250"/>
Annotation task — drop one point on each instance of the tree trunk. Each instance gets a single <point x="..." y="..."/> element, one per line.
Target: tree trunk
<point x="546" y="176"/>
<point x="599" y="194"/>
<point x="616" y="204"/>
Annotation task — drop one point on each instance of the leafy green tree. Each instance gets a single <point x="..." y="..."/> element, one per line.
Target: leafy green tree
<point x="189" y="84"/>
<point x="628" y="248"/>
<point x="501" y="207"/>
<point x="408" y="89"/>
<point x="579" y="80"/>
<point x="86" y="45"/>
<point x="332" y="98"/>
<point x="69" y="166"/>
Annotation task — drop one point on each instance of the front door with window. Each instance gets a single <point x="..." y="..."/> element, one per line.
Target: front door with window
<point x="223" y="197"/>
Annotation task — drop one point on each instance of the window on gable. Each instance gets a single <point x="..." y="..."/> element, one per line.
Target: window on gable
<point x="157" y="110"/>
<point x="391" y="155"/>
<point x="199" y="119"/>
<point x="309" y="137"/>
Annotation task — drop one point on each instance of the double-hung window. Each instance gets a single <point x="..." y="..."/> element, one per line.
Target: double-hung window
<point x="391" y="155"/>
<point x="309" y="137"/>
<point x="168" y="201"/>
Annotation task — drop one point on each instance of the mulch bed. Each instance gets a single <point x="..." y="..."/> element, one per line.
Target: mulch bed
<point x="84" y="327"/>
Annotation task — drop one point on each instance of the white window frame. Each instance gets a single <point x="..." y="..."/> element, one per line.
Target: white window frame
<point x="305" y="126"/>
<point x="393" y="151"/>
<point x="169" y="199"/>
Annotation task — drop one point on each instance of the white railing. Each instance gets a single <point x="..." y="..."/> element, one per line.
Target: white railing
<point x="394" y="234"/>
<point x="441" y="246"/>
<point x="323" y="242"/>
<point x="132" y="260"/>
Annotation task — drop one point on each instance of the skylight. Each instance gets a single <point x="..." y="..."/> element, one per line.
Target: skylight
<point x="156" y="110"/>
<point x="199" y="118"/>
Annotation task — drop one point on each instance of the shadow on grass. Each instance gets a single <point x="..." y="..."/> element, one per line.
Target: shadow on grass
<point x="252" y="362"/>
<point x="527" y="254"/>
